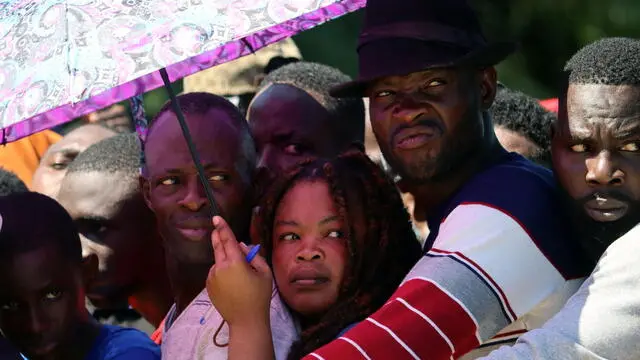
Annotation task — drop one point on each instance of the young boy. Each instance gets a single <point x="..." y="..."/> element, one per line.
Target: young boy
<point x="42" y="281"/>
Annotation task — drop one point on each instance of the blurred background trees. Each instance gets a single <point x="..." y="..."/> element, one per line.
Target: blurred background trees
<point x="549" y="32"/>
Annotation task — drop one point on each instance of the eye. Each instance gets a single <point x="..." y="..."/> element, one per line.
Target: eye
<point x="219" y="177"/>
<point x="579" y="148"/>
<point x="62" y="161"/>
<point x="633" y="146"/>
<point x="289" y="236"/>
<point x="382" y="93"/>
<point x="52" y="295"/>
<point x="336" y="234"/>
<point x="91" y="228"/>
<point x="60" y="165"/>
<point x="9" y="306"/>
<point x="168" y="181"/>
<point x="435" y="83"/>
<point x="293" y="149"/>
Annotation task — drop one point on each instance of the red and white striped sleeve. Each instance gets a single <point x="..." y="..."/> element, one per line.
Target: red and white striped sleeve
<point x="485" y="269"/>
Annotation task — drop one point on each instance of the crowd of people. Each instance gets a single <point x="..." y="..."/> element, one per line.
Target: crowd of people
<point x="423" y="210"/>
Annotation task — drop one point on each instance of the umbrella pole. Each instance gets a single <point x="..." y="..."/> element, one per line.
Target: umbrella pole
<point x="192" y="148"/>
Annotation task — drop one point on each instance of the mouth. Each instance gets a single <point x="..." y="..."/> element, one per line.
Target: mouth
<point x="604" y="208"/>
<point x="194" y="234"/>
<point x="415" y="137"/>
<point x="309" y="279"/>
<point x="307" y="282"/>
<point x="43" y="349"/>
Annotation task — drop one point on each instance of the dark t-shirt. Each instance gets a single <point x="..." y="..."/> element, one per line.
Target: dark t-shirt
<point x="116" y="343"/>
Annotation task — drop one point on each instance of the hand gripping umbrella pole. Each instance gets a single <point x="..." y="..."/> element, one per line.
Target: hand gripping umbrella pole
<point x="192" y="148"/>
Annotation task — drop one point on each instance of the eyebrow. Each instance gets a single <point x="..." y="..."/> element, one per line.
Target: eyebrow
<point x="286" y="223"/>
<point x="329" y="219"/>
<point x="175" y="171"/>
<point x="66" y="151"/>
<point x="326" y="220"/>
<point x="94" y="218"/>
<point x="283" y="136"/>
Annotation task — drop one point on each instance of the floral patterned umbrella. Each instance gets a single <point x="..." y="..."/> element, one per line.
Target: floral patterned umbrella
<point x="65" y="58"/>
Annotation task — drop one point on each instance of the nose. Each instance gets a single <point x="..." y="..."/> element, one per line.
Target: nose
<point x="603" y="170"/>
<point x="36" y="323"/>
<point x="407" y="107"/>
<point x="195" y="197"/>
<point x="266" y="159"/>
<point x="309" y="251"/>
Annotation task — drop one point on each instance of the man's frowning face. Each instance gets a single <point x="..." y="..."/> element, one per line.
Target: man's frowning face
<point x="428" y="122"/>
<point x="596" y="157"/>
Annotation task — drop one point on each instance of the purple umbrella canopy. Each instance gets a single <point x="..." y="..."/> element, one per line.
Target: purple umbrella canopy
<point x="66" y="58"/>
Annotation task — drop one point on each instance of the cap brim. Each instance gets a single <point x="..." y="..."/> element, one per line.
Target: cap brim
<point x="489" y="55"/>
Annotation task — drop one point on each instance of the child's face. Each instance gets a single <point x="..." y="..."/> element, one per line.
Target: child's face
<point x="309" y="248"/>
<point x="41" y="301"/>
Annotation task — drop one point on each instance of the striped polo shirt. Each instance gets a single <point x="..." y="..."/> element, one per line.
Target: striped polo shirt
<point x="501" y="260"/>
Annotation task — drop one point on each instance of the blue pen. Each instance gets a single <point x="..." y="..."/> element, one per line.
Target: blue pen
<point x="253" y="253"/>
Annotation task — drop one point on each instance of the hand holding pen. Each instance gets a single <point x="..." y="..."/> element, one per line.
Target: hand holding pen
<point x="240" y="282"/>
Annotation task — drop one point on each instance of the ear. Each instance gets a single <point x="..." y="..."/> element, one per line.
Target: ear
<point x="89" y="268"/>
<point x="145" y="188"/>
<point x="488" y="87"/>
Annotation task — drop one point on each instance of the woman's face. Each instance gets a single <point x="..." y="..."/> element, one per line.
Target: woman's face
<point x="309" y="248"/>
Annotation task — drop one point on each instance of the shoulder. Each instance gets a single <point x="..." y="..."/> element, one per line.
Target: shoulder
<point x="123" y="344"/>
<point x="517" y="199"/>
<point x="509" y="183"/>
<point x="520" y="190"/>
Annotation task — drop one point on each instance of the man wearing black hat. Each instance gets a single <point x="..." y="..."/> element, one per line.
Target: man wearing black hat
<point x="499" y="258"/>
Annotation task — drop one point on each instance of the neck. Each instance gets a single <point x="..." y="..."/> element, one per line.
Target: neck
<point x="429" y="195"/>
<point x="187" y="281"/>
<point x="307" y="322"/>
<point x="152" y="297"/>
<point x="153" y="300"/>
<point x="81" y="341"/>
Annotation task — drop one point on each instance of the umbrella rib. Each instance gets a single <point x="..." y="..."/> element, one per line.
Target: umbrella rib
<point x="67" y="37"/>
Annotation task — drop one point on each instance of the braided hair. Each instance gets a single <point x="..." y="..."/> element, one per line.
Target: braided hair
<point x="382" y="246"/>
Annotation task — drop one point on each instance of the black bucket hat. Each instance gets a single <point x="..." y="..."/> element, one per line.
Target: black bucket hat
<point x="405" y="36"/>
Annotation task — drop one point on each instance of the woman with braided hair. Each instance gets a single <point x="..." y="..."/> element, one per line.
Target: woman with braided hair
<point x="339" y="241"/>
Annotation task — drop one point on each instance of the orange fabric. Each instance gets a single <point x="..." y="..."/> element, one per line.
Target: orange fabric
<point x="23" y="156"/>
<point x="156" y="337"/>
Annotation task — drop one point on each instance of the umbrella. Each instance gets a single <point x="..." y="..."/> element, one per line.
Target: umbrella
<point x="66" y="58"/>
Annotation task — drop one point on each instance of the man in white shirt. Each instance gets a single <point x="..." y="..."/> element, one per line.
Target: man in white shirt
<point x="596" y="156"/>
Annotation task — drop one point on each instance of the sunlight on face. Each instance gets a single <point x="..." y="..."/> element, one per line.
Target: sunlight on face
<point x="310" y="248"/>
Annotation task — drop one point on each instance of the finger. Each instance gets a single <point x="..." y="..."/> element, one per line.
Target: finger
<point x="219" y="252"/>
<point x="227" y="240"/>
<point x="260" y="264"/>
<point x="245" y="249"/>
<point x="210" y="282"/>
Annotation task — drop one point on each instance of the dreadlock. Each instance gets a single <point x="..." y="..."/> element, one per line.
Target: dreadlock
<point x="382" y="245"/>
